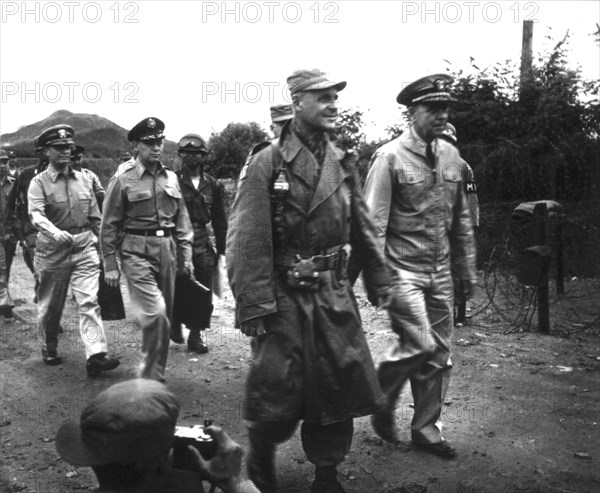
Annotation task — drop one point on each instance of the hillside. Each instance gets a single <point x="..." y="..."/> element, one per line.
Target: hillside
<point x="100" y="136"/>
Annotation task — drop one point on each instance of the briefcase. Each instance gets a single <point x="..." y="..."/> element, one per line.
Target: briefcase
<point x="186" y="307"/>
<point x="110" y="300"/>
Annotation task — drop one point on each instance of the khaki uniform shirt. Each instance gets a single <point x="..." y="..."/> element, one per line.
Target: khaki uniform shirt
<point x="62" y="201"/>
<point x="137" y="199"/>
<point x="420" y="208"/>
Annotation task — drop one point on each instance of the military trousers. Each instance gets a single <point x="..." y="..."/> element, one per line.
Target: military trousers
<point x="204" y="263"/>
<point x="10" y="247"/>
<point x="6" y="304"/>
<point x="58" y="266"/>
<point x="324" y="445"/>
<point x="421" y="313"/>
<point x="150" y="265"/>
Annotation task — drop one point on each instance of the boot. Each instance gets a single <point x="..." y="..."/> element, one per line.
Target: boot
<point x="260" y="464"/>
<point x="326" y="481"/>
<point x="98" y="363"/>
<point x="195" y="342"/>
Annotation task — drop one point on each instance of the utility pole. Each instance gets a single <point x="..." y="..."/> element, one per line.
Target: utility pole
<point x="526" y="56"/>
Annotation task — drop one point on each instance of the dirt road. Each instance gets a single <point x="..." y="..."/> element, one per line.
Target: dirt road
<point x="522" y="409"/>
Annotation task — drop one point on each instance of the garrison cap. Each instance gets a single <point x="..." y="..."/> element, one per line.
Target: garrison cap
<point x="148" y="129"/>
<point x="4" y="156"/>
<point x="56" y="135"/>
<point x="281" y="113"/>
<point x="130" y="421"/>
<point x="192" y="143"/>
<point x="311" y="80"/>
<point x="433" y="88"/>
<point x="450" y="133"/>
<point x="77" y="151"/>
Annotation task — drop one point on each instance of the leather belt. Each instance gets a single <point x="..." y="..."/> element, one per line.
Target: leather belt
<point x="77" y="229"/>
<point x="150" y="232"/>
<point x="330" y="259"/>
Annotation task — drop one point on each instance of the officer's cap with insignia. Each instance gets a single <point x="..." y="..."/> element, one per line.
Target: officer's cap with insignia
<point x="56" y="135"/>
<point x="431" y="89"/>
<point x="148" y="129"/>
<point x="193" y="144"/>
<point x="281" y="113"/>
<point x="449" y="133"/>
<point x="311" y="80"/>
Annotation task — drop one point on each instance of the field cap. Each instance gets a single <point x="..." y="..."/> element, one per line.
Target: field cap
<point x="281" y="113"/>
<point x="4" y="155"/>
<point x="148" y="129"/>
<point x="433" y="88"/>
<point x="192" y="143"/>
<point x="129" y="422"/>
<point x="311" y="80"/>
<point x="56" y="135"/>
<point x="450" y="133"/>
<point x="77" y="151"/>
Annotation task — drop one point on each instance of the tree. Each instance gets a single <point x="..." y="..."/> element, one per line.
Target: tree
<point x="539" y="147"/>
<point x="229" y="148"/>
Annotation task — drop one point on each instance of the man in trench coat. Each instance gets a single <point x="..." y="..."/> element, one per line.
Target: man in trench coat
<point x="297" y="208"/>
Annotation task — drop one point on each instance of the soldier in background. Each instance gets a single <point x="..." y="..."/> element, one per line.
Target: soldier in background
<point x="7" y="181"/>
<point x="77" y="154"/>
<point x="146" y="222"/>
<point x="63" y="208"/>
<point x="17" y="211"/>
<point x="280" y="113"/>
<point x="124" y="156"/>
<point x="6" y="241"/>
<point x="460" y="301"/>
<point x="203" y="197"/>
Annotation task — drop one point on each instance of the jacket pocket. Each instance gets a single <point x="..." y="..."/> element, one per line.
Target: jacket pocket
<point x="141" y="203"/>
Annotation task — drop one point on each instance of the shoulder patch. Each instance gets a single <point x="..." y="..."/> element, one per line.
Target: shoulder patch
<point x="470" y="187"/>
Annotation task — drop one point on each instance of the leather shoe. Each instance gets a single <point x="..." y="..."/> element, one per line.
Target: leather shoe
<point x="441" y="449"/>
<point x="384" y="425"/>
<point x="98" y="363"/>
<point x="52" y="359"/>
<point x="196" y="344"/>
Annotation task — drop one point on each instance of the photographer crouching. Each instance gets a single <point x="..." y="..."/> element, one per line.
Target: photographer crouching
<point x="127" y="434"/>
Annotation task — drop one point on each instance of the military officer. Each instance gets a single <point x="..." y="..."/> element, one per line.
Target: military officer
<point x="414" y="190"/>
<point x="63" y="208"/>
<point x="298" y="202"/>
<point x="203" y="197"/>
<point x="77" y="164"/>
<point x="7" y="181"/>
<point x="146" y="222"/>
<point x="280" y="113"/>
<point x="17" y="210"/>
<point x="6" y="240"/>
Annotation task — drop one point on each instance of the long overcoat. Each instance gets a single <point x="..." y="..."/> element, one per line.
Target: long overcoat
<point x="314" y="362"/>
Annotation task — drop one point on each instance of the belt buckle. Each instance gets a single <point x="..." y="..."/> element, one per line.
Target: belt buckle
<point x="160" y="232"/>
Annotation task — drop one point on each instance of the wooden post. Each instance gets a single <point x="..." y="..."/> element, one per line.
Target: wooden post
<point x="526" y="56"/>
<point x="560" y="269"/>
<point x="540" y="218"/>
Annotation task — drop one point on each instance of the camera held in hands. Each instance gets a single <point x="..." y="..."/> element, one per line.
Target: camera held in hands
<point x="197" y="438"/>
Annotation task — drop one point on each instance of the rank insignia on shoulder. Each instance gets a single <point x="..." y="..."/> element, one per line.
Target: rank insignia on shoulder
<point x="470" y="187"/>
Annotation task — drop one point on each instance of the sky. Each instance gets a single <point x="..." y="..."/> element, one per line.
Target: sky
<point x="200" y="65"/>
